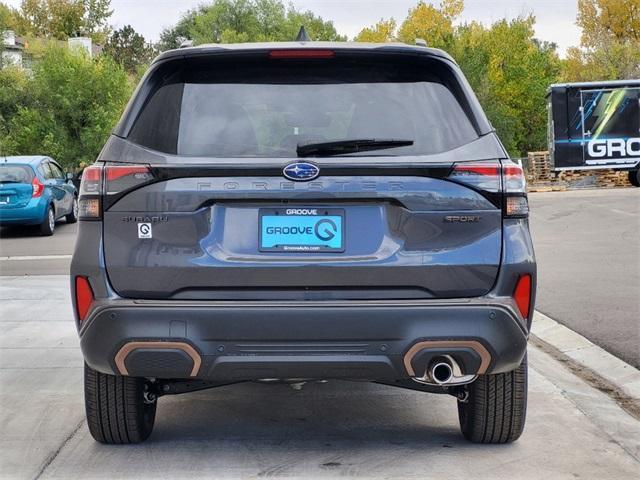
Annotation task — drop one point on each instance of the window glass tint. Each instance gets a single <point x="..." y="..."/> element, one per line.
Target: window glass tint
<point x="269" y="116"/>
<point x="15" y="173"/>
<point x="45" y="169"/>
<point x="56" y="171"/>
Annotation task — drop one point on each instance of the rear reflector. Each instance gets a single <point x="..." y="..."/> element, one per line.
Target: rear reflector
<point x="301" y="53"/>
<point x="38" y="188"/>
<point x="84" y="297"/>
<point x="522" y="295"/>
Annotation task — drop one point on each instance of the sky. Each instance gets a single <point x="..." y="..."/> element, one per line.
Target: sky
<point x="555" y="18"/>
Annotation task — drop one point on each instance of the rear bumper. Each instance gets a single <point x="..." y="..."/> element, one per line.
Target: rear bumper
<point x="33" y="213"/>
<point x="234" y="341"/>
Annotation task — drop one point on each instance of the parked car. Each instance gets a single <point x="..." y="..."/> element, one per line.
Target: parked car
<point x="303" y="211"/>
<point x="35" y="191"/>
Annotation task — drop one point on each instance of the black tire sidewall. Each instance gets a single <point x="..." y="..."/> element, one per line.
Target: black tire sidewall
<point x="45" y="227"/>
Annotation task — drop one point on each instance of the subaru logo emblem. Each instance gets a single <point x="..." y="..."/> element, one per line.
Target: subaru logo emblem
<point x="301" y="171"/>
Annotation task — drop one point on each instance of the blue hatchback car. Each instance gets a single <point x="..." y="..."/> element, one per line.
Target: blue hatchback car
<point x="35" y="191"/>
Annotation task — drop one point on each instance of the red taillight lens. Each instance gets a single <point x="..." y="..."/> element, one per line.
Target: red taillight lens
<point x="123" y="177"/>
<point x="84" y="297"/>
<point x="522" y="295"/>
<point x="37" y="186"/>
<point x="304" y="53"/>
<point x="482" y="175"/>
<point x="514" y="180"/>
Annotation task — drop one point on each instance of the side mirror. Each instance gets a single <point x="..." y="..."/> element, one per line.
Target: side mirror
<point x="70" y="176"/>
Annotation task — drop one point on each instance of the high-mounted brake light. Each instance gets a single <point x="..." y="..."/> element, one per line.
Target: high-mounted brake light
<point x="522" y="295"/>
<point x="305" y="53"/>
<point x="84" y="297"/>
<point x="37" y="187"/>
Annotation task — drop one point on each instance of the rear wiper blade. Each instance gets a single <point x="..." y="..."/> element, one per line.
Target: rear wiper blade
<point x="349" y="146"/>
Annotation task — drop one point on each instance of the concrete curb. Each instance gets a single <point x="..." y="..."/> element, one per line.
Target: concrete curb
<point x="587" y="354"/>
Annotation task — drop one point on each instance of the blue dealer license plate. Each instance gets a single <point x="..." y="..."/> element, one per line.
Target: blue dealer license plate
<point x="308" y="229"/>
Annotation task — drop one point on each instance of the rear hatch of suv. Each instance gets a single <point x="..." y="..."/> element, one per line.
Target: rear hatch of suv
<point x="302" y="174"/>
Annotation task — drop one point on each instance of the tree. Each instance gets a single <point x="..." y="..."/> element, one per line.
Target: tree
<point x="435" y="25"/>
<point x="72" y="103"/>
<point x="7" y="17"/>
<point x="128" y="48"/>
<point x="510" y="72"/>
<point x="61" y="19"/>
<point x="610" y="42"/>
<point x="383" y="31"/>
<point x="229" y="21"/>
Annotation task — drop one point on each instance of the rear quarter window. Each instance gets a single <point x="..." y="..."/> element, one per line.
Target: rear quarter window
<point x="268" y="108"/>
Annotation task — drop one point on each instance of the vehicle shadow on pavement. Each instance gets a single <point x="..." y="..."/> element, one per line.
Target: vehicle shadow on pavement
<point x="320" y="412"/>
<point x="19" y="231"/>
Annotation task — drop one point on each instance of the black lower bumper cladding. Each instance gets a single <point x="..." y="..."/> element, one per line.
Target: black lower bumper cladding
<point x="314" y="340"/>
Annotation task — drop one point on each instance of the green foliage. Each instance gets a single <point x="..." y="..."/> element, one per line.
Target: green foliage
<point x="129" y="49"/>
<point x="511" y="83"/>
<point x="61" y="19"/>
<point x="507" y="67"/>
<point x="383" y="31"/>
<point x="233" y="21"/>
<point x="73" y="103"/>
<point x="7" y="17"/>
<point x="433" y="24"/>
<point x="610" y="44"/>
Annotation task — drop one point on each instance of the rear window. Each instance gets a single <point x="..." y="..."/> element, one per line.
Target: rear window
<point x="15" y="174"/>
<point x="268" y="108"/>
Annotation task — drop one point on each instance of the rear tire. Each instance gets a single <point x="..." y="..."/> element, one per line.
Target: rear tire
<point x="72" y="216"/>
<point x="117" y="412"/>
<point x="496" y="408"/>
<point x="634" y="177"/>
<point x="48" y="225"/>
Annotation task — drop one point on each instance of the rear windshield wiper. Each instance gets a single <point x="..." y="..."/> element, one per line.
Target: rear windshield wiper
<point x="349" y="146"/>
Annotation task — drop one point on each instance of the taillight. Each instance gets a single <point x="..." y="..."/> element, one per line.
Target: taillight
<point x="90" y="192"/>
<point x="493" y="176"/>
<point x="123" y="177"/>
<point x="481" y="175"/>
<point x="522" y="295"/>
<point x="304" y="53"/>
<point x="516" y="204"/>
<point x="99" y="183"/>
<point x="84" y="297"/>
<point x="37" y="187"/>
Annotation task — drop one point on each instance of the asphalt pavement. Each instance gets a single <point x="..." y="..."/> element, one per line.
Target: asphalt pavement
<point x="325" y="430"/>
<point x="24" y="252"/>
<point x="587" y="245"/>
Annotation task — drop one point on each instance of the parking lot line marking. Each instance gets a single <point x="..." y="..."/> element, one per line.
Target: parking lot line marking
<point x="18" y="258"/>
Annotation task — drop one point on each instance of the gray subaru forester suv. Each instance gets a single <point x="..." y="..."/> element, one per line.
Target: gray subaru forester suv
<point x="303" y="211"/>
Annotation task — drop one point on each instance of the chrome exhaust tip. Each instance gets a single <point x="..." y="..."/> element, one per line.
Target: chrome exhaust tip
<point x="441" y="372"/>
